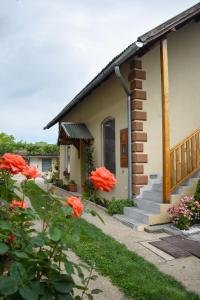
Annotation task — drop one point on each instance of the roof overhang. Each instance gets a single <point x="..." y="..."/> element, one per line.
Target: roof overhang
<point x="147" y="39"/>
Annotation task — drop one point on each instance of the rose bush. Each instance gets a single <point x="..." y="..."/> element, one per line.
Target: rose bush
<point x="33" y="258"/>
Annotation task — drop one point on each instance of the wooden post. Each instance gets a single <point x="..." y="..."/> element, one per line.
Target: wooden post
<point x="165" y="120"/>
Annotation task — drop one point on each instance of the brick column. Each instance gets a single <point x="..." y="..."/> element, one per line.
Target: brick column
<point x="139" y="116"/>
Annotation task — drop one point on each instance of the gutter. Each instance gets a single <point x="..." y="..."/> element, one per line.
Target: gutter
<point x="128" y="94"/>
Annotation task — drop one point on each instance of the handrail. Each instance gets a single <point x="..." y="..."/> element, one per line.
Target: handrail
<point x="185" y="159"/>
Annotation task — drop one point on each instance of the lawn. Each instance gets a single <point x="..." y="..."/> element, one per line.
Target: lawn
<point x="136" y="277"/>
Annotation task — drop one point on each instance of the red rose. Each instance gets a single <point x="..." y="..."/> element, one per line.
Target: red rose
<point x="30" y="172"/>
<point x="76" y="205"/>
<point x="11" y="238"/>
<point x="103" y="179"/>
<point x="12" y="162"/>
<point x="20" y="204"/>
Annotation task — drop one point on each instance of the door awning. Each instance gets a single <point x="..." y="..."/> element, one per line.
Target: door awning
<point x="77" y="131"/>
<point x="73" y="133"/>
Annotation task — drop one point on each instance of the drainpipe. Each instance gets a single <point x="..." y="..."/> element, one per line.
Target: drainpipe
<point x="128" y="94"/>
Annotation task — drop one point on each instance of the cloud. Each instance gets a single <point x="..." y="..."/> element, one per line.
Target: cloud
<point x="51" y="49"/>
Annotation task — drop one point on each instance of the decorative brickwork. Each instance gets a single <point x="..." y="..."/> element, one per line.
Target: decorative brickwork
<point x="138" y="95"/>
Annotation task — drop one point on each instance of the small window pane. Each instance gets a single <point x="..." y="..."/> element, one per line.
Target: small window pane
<point x="109" y="145"/>
<point x="46" y="164"/>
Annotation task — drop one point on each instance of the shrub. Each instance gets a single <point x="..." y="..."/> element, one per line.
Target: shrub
<point x="117" y="206"/>
<point x="34" y="263"/>
<point x="186" y="213"/>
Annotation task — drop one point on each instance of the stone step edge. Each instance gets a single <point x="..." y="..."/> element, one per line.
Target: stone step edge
<point x="130" y="222"/>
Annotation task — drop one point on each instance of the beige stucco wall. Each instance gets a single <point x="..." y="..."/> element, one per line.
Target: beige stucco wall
<point x="184" y="74"/>
<point x="184" y="92"/>
<point x="153" y="125"/>
<point x="109" y="100"/>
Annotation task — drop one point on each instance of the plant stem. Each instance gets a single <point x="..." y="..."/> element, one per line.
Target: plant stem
<point x="87" y="283"/>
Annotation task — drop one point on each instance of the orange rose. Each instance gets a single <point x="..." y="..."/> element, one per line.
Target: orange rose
<point x="30" y="172"/>
<point x="76" y="205"/>
<point x="103" y="179"/>
<point x="12" y="162"/>
<point x="20" y="204"/>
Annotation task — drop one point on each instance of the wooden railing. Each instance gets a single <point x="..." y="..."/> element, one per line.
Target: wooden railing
<point x="185" y="159"/>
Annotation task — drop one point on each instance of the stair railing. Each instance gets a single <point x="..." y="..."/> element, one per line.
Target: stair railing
<point x="185" y="159"/>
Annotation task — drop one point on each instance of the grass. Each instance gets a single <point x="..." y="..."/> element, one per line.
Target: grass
<point x="136" y="277"/>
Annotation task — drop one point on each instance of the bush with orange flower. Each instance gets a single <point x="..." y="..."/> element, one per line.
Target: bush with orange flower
<point x="33" y="259"/>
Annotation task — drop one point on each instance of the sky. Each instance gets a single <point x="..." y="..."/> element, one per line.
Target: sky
<point x="50" y="49"/>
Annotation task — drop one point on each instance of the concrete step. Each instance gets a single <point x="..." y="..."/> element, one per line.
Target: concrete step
<point x="130" y="222"/>
<point x="148" y="205"/>
<point x="193" y="181"/>
<point x="152" y="195"/>
<point x="141" y="216"/>
<point x="157" y="187"/>
<point x="146" y="217"/>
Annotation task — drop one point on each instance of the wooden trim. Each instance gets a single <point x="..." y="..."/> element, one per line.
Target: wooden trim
<point x="185" y="159"/>
<point x="165" y="119"/>
<point x="184" y="179"/>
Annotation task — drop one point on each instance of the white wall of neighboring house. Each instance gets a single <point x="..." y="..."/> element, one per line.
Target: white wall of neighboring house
<point x="38" y="161"/>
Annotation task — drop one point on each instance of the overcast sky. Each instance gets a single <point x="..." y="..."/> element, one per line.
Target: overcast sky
<point x="50" y="49"/>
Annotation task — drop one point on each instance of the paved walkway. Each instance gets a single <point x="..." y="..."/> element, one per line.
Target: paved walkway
<point x="185" y="270"/>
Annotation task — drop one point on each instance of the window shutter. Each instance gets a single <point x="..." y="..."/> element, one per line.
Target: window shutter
<point x="124" y="148"/>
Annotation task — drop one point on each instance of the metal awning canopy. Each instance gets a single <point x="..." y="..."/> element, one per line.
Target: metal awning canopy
<point x="73" y="133"/>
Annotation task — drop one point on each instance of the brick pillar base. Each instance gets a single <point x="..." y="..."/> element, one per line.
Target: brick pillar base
<point x="139" y="116"/>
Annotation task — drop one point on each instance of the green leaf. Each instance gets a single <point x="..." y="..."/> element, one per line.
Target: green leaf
<point x="55" y="233"/>
<point x="90" y="297"/>
<point x="8" y="286"/>
<point x="18" y="272"/>
<point x="95" y="214"/>
<point x="96" y="291"/>
<point x="28" y="293"/>
<point x="37" y="241"/>
<point x="69" y="267"/>
<point x="63" y="287"/>
<point x="4" y="225"/>
<point x="67" y="210"/>
<point x="21" y="254"/>
<point x="3" y="248"/>
<point x="37" y="287"/>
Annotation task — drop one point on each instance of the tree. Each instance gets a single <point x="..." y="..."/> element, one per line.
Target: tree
<point x="9" y="144"/>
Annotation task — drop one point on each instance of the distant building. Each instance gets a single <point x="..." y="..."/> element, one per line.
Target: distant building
<point x="44" y="162"/>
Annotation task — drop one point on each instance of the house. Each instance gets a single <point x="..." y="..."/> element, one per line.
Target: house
<point x="46" y="163"/>
<point x="141" y="116"/>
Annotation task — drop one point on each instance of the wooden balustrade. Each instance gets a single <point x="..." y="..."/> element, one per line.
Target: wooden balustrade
<point x="185" y="159"/>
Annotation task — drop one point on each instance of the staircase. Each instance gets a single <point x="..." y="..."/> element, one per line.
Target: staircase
<point x="185" y="173"/>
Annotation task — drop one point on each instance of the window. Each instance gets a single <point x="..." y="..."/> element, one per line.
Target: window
<point x="68" y="158"/>
<point x="46" y="164"/>
<point x="109" y="144"/>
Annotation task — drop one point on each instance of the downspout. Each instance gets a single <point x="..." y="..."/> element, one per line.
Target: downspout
<point x="128" y="94"/>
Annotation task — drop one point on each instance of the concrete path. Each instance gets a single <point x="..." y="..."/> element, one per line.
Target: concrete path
<point x="186" y="270"/>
